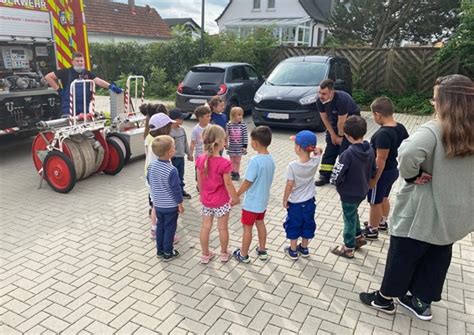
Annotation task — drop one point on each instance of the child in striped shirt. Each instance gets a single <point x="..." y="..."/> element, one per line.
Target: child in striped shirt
<point x="237" y="137"/>
<point x="166" y="195"/>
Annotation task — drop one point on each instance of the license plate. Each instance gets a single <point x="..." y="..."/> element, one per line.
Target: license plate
<point x="198" y="101"/>
<point x="278" y="116"/>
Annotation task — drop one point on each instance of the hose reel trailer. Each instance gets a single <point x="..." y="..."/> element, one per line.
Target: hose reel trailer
<point x="76" y="147"/>
<point x="128" y="124"/>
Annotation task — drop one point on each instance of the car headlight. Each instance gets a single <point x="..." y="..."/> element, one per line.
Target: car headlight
<point x="309" y="99"/>
<point x="258" y="97"/>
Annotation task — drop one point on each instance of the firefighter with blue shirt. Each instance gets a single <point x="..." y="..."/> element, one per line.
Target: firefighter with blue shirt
<point x="61" y="80"/>
<point x="335" y="107"/>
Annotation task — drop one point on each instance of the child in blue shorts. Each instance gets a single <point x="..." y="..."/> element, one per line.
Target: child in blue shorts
<point x="299" y="196"/>
<point x="385" y="142"/>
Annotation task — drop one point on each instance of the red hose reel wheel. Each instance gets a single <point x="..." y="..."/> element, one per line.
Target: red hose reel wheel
<point x="123" y="143"/>
<point x="99" y="136"/>
<point x="40" y="144"/>
<point x="116" y="158"/>
<point x="59" y="171"/>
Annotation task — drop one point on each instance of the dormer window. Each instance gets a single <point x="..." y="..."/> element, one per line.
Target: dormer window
<point x="256" y="4"/>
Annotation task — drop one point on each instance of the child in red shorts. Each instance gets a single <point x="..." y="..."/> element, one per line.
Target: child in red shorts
<point x="258" y="180"/>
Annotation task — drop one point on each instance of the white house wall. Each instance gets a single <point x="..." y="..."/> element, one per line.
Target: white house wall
<point x="108" y="38"/>
<point x="244" y="9"/>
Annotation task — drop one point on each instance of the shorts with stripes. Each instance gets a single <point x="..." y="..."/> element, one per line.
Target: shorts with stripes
<point x="217" y="212"/>
<point x="383" y="187"/>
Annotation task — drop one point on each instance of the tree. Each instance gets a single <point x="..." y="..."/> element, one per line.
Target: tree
<point x="461" y="44"/>
<point x="386" y="23"/>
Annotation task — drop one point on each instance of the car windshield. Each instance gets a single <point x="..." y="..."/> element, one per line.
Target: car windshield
<point x="204" y="75"/>
<point x="298" y="74"/>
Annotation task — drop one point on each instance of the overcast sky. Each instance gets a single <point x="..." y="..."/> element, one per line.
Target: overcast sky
<point x="188" y="8"/>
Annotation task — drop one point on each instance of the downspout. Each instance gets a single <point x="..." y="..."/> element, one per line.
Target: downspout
<point x="312" y="33"/>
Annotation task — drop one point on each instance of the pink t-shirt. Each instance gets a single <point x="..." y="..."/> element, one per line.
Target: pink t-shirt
<point x="213" y="192"/>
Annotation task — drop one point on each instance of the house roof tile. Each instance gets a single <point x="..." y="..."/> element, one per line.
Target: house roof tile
<point x="119" y="19"/>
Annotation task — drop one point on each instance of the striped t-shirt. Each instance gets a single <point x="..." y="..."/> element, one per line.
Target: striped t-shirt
<point x="165" y="189"/>
<point x="237" y="134"/>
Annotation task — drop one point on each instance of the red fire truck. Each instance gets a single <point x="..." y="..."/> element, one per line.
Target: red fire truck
<point x="36" y="37"/>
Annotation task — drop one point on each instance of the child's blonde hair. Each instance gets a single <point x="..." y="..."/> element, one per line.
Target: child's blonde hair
<point x="212" y="136"/>
<point x="234" y="112"/>
<point x="162" y="144"/>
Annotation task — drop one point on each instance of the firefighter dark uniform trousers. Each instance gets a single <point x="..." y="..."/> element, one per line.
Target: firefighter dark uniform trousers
<point x="341" y="104"/>
<point x="330" y="154"/>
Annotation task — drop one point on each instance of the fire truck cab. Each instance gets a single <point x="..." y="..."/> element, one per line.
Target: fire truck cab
<point x="36" y="37"/>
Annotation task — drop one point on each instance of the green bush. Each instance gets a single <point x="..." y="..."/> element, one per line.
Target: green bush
<point x="412" y="103"/>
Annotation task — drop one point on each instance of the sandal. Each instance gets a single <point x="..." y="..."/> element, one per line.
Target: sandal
<point x="360" y="242"/>
<point x="342" y="251"/>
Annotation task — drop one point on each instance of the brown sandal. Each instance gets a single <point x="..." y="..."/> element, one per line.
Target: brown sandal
<point x="360" y="242"/>
<point x="342" y="251"/>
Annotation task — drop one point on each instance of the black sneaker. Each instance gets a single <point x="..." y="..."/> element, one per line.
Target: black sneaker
<point x="237" y="176"/>
<point x="376" y="301"/>
<point x="238" y="256"/>
<point x="167" y="257"/>
<point x="160" y="254"/>
<point x="321" y="181"/>
<point x="421" y="309"/>
<point x="293" y="254"/>
<point x="262" y="254"/>
<point x="382" y="226"/>
<point x="370" y="234"/>
<point x="186" y="195"/>
<point x="304" y="252"/>
<point x="233" y="176"/>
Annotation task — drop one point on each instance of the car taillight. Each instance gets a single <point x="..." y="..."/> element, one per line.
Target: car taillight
<point x="222" y="89"/>
<point x="180" y="88"/>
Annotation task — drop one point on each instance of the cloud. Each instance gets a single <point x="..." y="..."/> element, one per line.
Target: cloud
<point x="188" y="8"/>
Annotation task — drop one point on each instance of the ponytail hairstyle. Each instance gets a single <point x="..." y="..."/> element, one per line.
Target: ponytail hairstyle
<point x="212" y="136"/>
<point x="214" y="102"/>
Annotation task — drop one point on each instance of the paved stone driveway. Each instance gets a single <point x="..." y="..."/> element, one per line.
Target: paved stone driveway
<point x="83" y="263"/>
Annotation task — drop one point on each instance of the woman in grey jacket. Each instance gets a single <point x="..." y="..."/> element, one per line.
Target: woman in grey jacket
<point x="434" y="207"/>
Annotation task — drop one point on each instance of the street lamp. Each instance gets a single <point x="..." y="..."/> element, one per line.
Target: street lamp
<point x="202" y="27"/>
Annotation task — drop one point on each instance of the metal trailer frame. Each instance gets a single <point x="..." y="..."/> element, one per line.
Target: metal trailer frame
<point x="128" y="127"/>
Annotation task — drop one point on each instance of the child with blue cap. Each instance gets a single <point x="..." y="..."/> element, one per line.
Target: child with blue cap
<point x="299" y="197"/>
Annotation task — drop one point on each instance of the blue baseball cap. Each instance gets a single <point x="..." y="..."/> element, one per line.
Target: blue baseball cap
<point x="305" y="139"/>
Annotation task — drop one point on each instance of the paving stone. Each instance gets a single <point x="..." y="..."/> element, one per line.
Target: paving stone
<point x="96" y="271"/>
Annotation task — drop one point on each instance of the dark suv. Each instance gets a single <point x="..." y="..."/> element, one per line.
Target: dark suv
<point x="288" y="96"/>
<point x="235" y="82"/>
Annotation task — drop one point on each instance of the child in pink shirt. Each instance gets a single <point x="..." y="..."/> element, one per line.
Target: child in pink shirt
<point x="217" y="194"/>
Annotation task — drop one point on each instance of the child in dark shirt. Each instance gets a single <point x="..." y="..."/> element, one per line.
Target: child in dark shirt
<point x="385" y="142"/>
<point x="351" y="175"/>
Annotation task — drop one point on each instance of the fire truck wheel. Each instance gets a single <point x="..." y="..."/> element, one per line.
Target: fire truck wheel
<point x="116" y="158"/>
<point x="122" y="141"/>
<point x="59" y="172"/>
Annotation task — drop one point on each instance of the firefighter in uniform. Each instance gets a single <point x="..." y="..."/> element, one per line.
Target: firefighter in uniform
<point x="334" y="107"/>
<point x="61" y="80"/>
